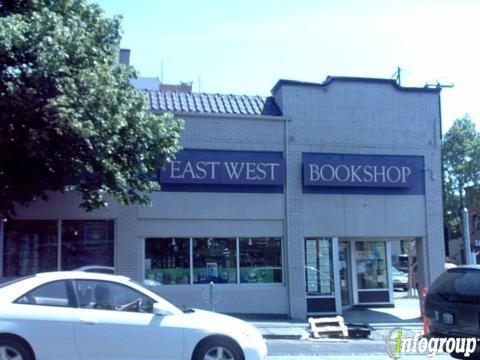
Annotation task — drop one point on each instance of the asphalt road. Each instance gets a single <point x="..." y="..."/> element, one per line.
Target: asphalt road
<point x="332" y="350"/>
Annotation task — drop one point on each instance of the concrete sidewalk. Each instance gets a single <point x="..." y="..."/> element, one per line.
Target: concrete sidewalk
<point x="405" y="315"/>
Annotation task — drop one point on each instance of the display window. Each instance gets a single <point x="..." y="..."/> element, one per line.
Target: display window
<point x="371" y="265"/>
<point x="214" y="259"/>
<point x="319" y="266"/>
<point x="167" y="261"/>
<point x="260" y="260"/>
<point x="29" y="247"/>
<point x="87" y="242"/>
<point x="182" y="261"/>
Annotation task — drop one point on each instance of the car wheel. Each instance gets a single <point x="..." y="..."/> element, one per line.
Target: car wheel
<point x="11" y="349"/>
<point x="217" y="350"/>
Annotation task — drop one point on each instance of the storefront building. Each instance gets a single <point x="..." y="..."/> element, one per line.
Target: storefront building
<point x="287" y="203"/>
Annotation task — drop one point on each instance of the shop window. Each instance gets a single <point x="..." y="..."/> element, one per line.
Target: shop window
<point x="260" y="260"/>
<point x="87" y="242"/>
<point x="319" y="266"/>
<point x="371" y="264"/>
<point x="30" y="246"/>
<point x="214" y="259"/>
<point x="167" y="261"/>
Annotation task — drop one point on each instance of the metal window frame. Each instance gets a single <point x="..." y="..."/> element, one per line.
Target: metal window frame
<point x="59" y="244"/>
<point x="354" y="264"/>
<point x="237" y="249"/>
<point x="2" y="227"/>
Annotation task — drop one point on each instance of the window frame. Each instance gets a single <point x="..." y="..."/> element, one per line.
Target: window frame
<point x="59" y="240"/>
<point x="237" y="241"/>
<point x="77" y="298"/>
<point x="331" y="274"/>
<point x="385" y="261"/>
<point x="70" y="291"/>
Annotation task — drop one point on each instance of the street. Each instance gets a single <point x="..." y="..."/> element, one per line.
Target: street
<point x="332" y="350"/>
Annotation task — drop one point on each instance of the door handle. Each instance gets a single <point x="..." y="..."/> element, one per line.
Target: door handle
<point x="89" y="321"/>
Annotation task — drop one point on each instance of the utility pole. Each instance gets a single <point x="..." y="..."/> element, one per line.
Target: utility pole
<point x="466" y="238"/>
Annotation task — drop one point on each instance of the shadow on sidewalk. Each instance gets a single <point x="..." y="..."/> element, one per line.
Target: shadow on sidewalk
<point x="406" y="310"/>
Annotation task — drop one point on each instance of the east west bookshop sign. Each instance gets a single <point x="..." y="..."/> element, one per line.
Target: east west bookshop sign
<point x="225" y="168"/>
<point x="362" y="171"/>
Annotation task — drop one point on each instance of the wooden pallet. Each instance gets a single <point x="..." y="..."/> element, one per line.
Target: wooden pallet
<point x="328" y="325"/>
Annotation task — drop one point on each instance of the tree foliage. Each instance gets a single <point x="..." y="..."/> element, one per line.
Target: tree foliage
<point x="69" y="117"/>
<point x="461" y="168"/>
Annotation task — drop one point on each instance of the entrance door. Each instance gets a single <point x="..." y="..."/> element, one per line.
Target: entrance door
<point x="344" y="256"/>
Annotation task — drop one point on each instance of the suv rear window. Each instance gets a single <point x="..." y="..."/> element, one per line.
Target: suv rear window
<point x="458" y="285"/>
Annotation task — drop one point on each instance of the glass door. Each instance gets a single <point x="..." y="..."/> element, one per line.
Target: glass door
<point x="344" y="256"/>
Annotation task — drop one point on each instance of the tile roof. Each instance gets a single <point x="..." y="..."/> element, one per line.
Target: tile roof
<point x="172" y="101"/>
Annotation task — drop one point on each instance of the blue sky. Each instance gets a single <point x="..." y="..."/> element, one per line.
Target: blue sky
<point x="244" y="47"/>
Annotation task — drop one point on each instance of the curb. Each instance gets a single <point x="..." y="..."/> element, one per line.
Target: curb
<point x="282" y="337"/>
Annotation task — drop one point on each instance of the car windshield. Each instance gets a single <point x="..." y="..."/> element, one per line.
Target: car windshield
<point x="459" y="285"/>
<point x="395" y="271"/>
<point x="183" y="308"/>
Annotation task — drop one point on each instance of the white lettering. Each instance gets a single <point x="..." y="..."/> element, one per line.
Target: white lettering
<point x="262" y="173"/>
<point x="354" y="170"/>
<point x="389" y="174"/>
<point x="314" y="171"/>
<point x="460" y="345"/>
<point x="442" y="344"/>
<point x="175" y="170"/>
<point x="337" y="173"/>
<point x="367" y="172"/>
<point x="450" y="345"/>
<point x="471" y="346"/>
<point x="251" y="171"/>
<point x="406" y="171"/>
<point x="407" y="345"/>
<point x="377" y="173"/>
<point x="422" y="345"/>
<point x="188" y="170"/>
<point x="332" y="171"/>
<point x="272" y="169"/>
<point x="415" y="340"/>
<point x="234" y="169"/>
<point x="433" y="346"/>
<point x="213" y="166"/>
<point x="201" y="172"/>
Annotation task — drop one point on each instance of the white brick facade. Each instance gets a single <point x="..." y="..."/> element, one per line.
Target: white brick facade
<point x="342" y="116"/>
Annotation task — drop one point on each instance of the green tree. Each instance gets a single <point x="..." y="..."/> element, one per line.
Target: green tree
<point x="69" y="118"/>
<point x="461" y="168"/>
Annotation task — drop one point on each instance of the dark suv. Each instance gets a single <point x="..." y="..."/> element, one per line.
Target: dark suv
<point x="452" y="305"/>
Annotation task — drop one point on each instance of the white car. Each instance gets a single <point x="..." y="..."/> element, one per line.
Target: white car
<point x="97" y="269"/>
<point x="90" y="316"/>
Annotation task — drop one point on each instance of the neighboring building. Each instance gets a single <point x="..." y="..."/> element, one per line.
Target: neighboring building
<point x="288" y="203"/>
<point x="472" y="199"/>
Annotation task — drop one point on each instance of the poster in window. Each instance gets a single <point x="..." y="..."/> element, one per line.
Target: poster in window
<point x="96" y="234"/>
<point x="212" y="270"/>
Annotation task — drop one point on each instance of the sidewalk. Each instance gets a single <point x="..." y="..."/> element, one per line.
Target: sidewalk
<point x="405" y="315"/>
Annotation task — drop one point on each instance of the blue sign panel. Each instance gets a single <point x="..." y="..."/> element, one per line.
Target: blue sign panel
<point x="342" y="173"/>
<point x="224" y="169"/>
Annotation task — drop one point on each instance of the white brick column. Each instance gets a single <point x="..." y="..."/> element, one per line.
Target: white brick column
<point x="127" y="247"/>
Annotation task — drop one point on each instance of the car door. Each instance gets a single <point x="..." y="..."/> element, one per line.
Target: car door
<point x="116" y="321"/>
<point x="45" y="317"/>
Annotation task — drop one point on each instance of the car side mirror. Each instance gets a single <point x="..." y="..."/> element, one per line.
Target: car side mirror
<point x="158" y="310"/>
